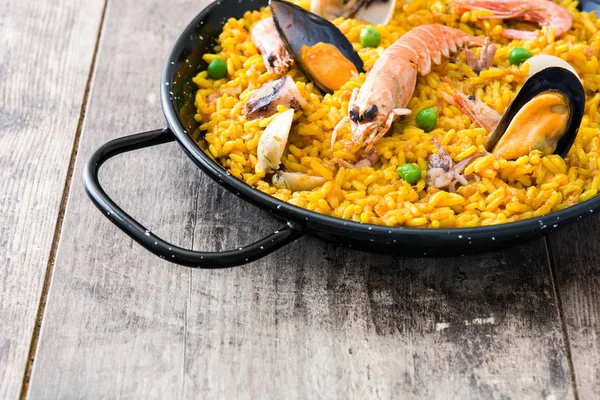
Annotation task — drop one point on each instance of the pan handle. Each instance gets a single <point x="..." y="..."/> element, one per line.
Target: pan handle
<point x="153" y="243"/>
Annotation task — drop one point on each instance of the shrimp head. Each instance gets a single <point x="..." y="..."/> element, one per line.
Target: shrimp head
<point x="373" y="109"/>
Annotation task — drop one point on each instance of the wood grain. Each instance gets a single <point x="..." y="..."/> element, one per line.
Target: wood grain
<point x="115" y="316"/>
<point x="576" y="258"/>
<point x="318" y="321"/>
<point x="46" y="49"/>
<point x="310" y="321"/>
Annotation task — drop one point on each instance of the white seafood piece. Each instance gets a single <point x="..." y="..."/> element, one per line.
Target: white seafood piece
<point x="264" y="101"/>
<point x="272" y="142"/>
<point x="296" y="181"/>
<point x="543" y="61"/>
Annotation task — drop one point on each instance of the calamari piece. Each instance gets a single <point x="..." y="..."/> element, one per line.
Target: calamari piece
<point x="296" y="181"/>
<point x="268" y="42"/>
<point x="442" y="175"/>
<point x="486" y="59"/>
<point x="264" y="101"/>
<point x="272" y="142"/>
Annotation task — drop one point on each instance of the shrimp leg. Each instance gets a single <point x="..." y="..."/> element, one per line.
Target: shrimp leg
<point x="344" y="120"/>
<point x="479" y="112"/>
<point x="375" y="136"/>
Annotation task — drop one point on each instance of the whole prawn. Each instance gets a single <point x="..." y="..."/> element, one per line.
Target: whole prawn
<point x="391" y="82"/>
<point x="268" y="42"/>
<point x="544" y="12"/>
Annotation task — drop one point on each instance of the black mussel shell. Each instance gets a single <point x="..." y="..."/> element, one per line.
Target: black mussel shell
<point x="549" y="79"/>
<point x="299" y="27"/>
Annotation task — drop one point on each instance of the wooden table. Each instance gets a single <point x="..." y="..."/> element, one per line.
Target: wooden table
<point x="86" y="313"/>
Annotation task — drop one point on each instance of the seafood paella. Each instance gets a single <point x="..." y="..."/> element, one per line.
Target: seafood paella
<point x="416" y="113"/>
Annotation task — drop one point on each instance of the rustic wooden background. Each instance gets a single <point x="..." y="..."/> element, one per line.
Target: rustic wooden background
<point x="86" y="313"/>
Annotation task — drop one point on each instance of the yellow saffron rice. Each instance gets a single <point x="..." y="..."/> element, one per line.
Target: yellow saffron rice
<point x="508" y="191"/>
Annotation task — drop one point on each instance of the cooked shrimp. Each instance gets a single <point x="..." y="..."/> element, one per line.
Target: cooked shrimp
<point x="268" y="42"/>
<point x="544" y="12"/>
<point x="391" y="82"/>
<point x="479" y="112"/>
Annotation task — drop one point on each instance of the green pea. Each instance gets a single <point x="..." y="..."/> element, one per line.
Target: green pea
<point x="427" y="119"/>
<point x="409" y="173"/>
<point x="519" y="55"/>
<point x="217" y="69"/>
<point x="369" y="37"/>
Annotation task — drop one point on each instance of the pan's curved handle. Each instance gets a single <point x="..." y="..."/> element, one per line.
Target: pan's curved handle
<point x="152" y="242"/>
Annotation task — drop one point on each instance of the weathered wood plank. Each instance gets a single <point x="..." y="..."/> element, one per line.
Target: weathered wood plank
<point x="310" y="321"/>
<point x="119" y="302"/>
<point x="318" y="321"/>
<point x="46" y="49"/>
<point x="576" y="258"/>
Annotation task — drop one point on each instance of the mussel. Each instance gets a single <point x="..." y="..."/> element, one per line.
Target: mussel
<point x="545" y="115"/>
<point x="376" y="12"/>
<point x="318" y="47"/>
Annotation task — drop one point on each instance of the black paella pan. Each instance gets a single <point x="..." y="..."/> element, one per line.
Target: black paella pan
<point x="177" y="97"/>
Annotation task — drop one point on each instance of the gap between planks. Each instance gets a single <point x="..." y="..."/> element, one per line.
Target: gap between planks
<point x="561" y="316"/>
<point x="61" y="215"/>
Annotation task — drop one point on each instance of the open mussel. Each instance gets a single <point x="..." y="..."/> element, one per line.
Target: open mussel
<point x="318" y="47"/>
<point x="376" y="12"/>
<point x="545" y="115"/>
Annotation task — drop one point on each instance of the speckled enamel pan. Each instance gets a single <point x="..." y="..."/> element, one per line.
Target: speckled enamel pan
<point x="177" y="96"/>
